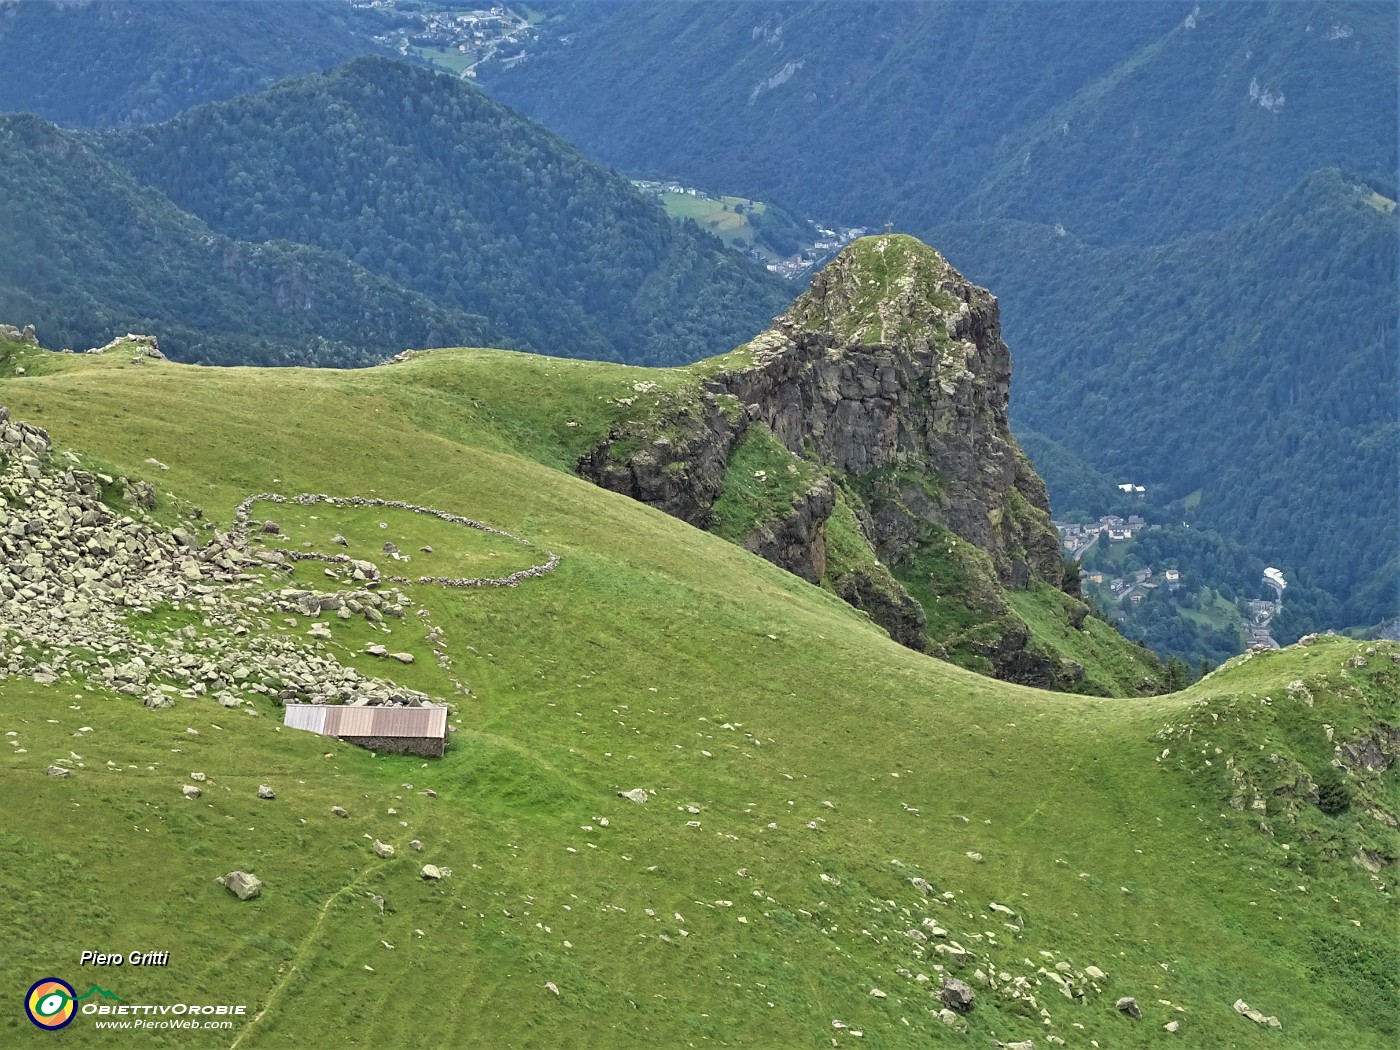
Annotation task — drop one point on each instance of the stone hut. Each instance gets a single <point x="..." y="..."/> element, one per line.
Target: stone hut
<point x="404" y="730"/>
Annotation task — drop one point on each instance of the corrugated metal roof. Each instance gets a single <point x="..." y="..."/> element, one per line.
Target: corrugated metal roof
<point x="311" y="717"/>
<point x="344" y="720"/>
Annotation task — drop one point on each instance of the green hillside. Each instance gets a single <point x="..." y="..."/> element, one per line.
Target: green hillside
<point x="1248" y="363"/>
<point x="1127" y="123"/>
<point x="146" y="62"/>
<point x="427" y="182"/>
<point x="90" y="253"/>
<point x="802" y="769"/>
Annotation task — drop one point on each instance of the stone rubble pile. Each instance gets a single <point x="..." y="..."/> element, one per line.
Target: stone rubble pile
<point x="78" y="578"/>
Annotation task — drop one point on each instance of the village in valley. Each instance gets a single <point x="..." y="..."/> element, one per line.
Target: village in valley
<point x="789" y="247"/>
<point x="457" y="38"/>
<point x="1113" y="576"/>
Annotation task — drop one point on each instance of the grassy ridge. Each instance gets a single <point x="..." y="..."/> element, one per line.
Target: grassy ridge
<point x="662" y="657"/>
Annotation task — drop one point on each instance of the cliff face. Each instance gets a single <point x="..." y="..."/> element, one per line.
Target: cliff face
<point x="890" y="379"/>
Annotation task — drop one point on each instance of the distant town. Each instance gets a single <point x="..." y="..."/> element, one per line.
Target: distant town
<point x="456" y="39"/>
<point x="1131" y="588"/>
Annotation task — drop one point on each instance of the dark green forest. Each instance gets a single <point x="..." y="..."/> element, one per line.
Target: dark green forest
<point x="1247" y="377"/>
<point x="429" y="183"/>
<point x="1125" y="122"/>
<point x="114" y="62"/>
<point x="89" y="253"/>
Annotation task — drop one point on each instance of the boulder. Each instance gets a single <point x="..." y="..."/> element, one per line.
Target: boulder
<point x="431" y="871"/>
<point x="635" y="795"/>
<point x="957" y="994"/>
<point x="190" y="791"/>
<point x="56" y="771"/>
<point x="921" y="885"/>
<point x="339" y="811"/>
<point x="242" y="885"/>
<point x="1129" y="1006"/>
<point x="264" y="791"/>
<point x="383" y="849"/>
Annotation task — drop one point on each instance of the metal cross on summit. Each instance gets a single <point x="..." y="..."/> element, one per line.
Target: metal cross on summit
<point x="889" y="227"/>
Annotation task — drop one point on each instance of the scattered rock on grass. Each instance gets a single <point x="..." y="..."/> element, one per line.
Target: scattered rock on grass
<point x="957" y="994"/>
<point x="241" y="884"/>
<point x="1129" y="1006"/>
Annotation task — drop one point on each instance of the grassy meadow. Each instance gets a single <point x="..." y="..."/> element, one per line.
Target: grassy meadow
<point x="802" y="769"/>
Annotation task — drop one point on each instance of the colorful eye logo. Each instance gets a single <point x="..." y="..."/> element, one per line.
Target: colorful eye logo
<point x="50" y="1003"/>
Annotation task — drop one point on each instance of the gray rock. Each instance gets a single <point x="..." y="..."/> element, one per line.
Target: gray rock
<point x="339" y="812"/>
<point x="957" y="995"/>
<point x="383" y="849"/>
<point x="1172" y="1026"/>
<point x="403" y="658"/>
<point x="921" y="885"/>
<point x="431" y="871"/>
<point x="1245" y="1010"/>
<point x="1129" y="1006"/>
<point x="415" y="844"/>
<point x="264" y="791"/>
<point x="242" y="885"/>
<point x="56" y="771"/>
<point x="635" y="795"/>
<point x="190" y="791"/>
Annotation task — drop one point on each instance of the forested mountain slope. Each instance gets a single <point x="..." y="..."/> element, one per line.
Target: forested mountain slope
<point x="1190" y="304"/>
<point x="90" y="253"/>
<point x="1256" y="364"/>
<point x="102" y="62"/>
<point x="1122" y="121"/>
<point x="426" y="181"/>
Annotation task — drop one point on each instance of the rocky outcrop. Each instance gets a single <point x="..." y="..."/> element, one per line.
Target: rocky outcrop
<point x="10" y="333"/>
<point x="890" y="376"/>
<point x="797" y="542"/>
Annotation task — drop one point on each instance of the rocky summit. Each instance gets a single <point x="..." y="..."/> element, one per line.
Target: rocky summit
<point x="885" y="388"/>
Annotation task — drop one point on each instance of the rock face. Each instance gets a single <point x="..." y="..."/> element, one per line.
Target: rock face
<point x="889" y="376"/>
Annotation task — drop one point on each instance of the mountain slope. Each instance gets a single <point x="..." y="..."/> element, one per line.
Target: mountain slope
<point x="1123" y="122"/>
<point x="90" y="253"/>
<point x="659" y="656"/>
<point x="1256" y="364"/>
<point x="424" y="180"/>
<point x="143" y="62"/>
